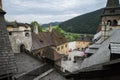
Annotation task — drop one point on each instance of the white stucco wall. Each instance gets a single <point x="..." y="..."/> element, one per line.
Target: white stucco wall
<point x="71" y="45"/>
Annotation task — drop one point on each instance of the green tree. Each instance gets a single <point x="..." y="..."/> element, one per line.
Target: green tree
<point x="35" y="23"/>
<point x="59" y="30"/>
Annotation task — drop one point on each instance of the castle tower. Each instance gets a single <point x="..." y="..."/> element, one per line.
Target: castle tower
<point x="112" y="3"/>
<point x="111" y="14"/>
<point x="110" y="17"/>
<point x="7" y="61"/>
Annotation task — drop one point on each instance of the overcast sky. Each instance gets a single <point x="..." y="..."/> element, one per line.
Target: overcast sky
<point x="45" y="11"/>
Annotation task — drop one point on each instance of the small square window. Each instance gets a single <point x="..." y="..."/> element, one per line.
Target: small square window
<point x="10" y="33"/>
<point x="66" y="45"/>
<point x="58" y="49"/>
<point x="62" y="47"/>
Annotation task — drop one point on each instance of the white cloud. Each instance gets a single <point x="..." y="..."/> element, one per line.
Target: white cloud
<point x="40" y="18"/>
<point x="46" y="11"/>
<point x="54" y="4"/>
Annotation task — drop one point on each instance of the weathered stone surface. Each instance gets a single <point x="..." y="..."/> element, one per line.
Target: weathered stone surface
<point x="19" y="35"/>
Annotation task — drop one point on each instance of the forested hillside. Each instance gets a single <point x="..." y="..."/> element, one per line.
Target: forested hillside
<point x="87" y="23"/>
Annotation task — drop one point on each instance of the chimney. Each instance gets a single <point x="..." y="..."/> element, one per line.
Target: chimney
<point x="1" y="4"/>
<point x="35" y="29"/>
<point x="50" y="28"/>
<point x="105" y="31"/>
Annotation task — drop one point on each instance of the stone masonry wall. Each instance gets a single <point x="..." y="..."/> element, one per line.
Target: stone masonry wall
<point x="19" y="38"/>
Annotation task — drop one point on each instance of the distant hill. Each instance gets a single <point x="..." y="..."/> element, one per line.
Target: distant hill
<point x="87" y="23"/>
<point x="52" y="24"/>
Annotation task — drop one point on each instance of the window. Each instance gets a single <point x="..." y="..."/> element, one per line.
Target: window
<point x="58" y="49"/>
<point x="62" y="47"/>
<point x="66" y="45"/>
<point x="10" y="33"/>
<point x="27" y="34"/>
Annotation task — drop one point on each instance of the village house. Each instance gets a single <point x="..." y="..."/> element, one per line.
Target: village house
<point x="20" y="36"/>
<point x="83" y="42"/>
<point x="49" y="45"/>
<point x="104" y="60"/>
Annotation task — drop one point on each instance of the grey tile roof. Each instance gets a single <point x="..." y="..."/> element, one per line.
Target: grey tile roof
<point x="103" y="53"/>
<point x="95" y="46"/>
<point x="92" y="48"/>
<point x="99" y="67"/>
<point x="97" y="70"/>
<point x="97" y="36"/>
<point x="54" y="75"/>
<point x="26" y="63"/>
<point x="90" y="51"/>
<point x="116" y="61"/>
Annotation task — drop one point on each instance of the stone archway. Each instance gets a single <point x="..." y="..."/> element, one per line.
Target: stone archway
<point x="115" y="23"/>
<point x="109" y="22"/>
<point x="22" y="48"/>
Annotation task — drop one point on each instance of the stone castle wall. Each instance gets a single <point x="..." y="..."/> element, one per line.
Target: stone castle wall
<point x="18" y="38"/>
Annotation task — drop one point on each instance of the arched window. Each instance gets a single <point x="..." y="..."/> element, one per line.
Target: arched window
<point x="115" y="23"/>
<point x="27" y="34"/>
<point x="109" y="22"/>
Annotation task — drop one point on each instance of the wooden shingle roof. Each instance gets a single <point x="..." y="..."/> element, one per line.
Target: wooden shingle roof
<point x="51" y="54"/>
<point x="112" y="8"/>
<point x="41" y="40"/>
<point x="45" y="39"/>
<point x="17" y="24"/>
<point x="7" y="61"/>
<point x="57" y="38"/>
